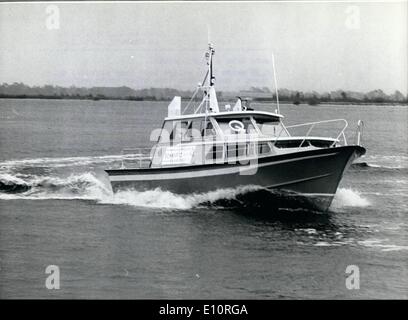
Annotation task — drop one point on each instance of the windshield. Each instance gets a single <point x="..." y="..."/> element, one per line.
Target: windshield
<point x="187" y="130"/>
<point x="270" y="126"/>
<point x="231" y="126"/>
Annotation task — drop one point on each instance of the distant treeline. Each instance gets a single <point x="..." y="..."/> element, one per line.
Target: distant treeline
<point x="338" y="96"/>
<point x="20" y="90"/>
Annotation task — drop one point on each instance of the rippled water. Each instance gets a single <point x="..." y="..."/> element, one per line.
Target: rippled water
<point x="56" y="207"/>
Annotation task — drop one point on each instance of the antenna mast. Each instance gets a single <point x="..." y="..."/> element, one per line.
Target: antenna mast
<point x="210" y="76"/>
<point x="209" y="101"/>
<point x="276" y="83"/>
<point x="211" y="52"/>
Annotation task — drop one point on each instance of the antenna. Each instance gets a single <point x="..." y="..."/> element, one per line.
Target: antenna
<point x="210" y="57"/>
<point x="276" y="83"/>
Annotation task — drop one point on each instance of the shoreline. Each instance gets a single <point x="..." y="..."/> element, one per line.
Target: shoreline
<point x="148" y="99"/>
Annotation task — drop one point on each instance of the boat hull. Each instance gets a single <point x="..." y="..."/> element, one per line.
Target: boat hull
<point x="308" y="179"/>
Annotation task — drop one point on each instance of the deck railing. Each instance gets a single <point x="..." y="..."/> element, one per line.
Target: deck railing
<point x="136" y="157"/>
<point x="312" y="126"/>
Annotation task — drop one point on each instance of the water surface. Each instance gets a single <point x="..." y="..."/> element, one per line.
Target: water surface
<point x="56" y="208"/>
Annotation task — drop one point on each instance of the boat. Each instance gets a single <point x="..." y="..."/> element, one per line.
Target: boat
<point x="206" y="147"/>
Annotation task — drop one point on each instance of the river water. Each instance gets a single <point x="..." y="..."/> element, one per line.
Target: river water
<point x="56" y="208"/>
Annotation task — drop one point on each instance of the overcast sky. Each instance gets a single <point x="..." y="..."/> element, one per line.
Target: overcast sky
<point x="317" y="46"/>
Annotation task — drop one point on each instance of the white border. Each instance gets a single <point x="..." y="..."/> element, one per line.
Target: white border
<point x="207" y="1"/>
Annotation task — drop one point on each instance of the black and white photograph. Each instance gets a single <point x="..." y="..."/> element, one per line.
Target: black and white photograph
<point x="196" y="150"/>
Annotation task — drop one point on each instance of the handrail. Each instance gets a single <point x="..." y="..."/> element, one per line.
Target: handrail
<point x="234" y="139"/>
<point x="313" y="124"/>
<point x="139" y="152"/>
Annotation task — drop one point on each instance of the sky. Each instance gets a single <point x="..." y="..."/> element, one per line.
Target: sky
<point x="322" y="46"/>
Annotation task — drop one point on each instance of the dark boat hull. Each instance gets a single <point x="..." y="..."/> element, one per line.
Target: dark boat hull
<point x="309" y="178"/>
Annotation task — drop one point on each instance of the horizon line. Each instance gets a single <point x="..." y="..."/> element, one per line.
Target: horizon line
<point x="193" y="88"/>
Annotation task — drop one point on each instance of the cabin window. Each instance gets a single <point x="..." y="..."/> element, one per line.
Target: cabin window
<point x="196" y="129"/>
<point x="236" y="150"/>
<point x="216" y="152"/>
<point x="224" y="124"/>
<point x="263" y="147"/>
<point x="270" y="126"/>
<point x="177" y="132"/>
<point x="208" y="129"/>
<point x="187" y="130"/>
<point x="173" y="131"/>
<point x="166" y="132"/>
